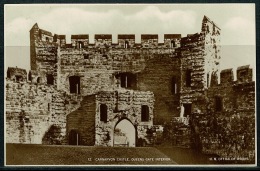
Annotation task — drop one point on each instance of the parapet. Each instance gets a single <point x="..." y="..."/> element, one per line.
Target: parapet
<point x="190" y="40"/>
<point x="17" y="74"/>
<point x="45" y="35"/>
<point x="172" y="36"/>
<point x="103" y="36"/>
<point x="244" y="74"/>
<point x="226" y="76"/>
<point x="80" y="40"/>
<point x="126" y="36"/>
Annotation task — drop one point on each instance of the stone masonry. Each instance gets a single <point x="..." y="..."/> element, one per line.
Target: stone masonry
<point x="77" y="93"/>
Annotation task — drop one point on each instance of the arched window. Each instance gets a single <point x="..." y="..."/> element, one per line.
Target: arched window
<point x="74" y="138"/>
<point x="145" y="113"/>
<point x="103" y="112"/>
<point x="74" y="84"/>
<point x="50" y="79"/>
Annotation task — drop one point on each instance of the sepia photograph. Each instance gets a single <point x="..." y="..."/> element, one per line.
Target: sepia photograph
<point x="163" y="85"/>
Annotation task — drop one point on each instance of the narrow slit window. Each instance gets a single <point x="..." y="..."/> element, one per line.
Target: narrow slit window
<point x="126" y="44"/>
<point x="188" y="78"/>
<point x="80" y="45"/>
<point x="145" y="113"/>
<point x="207" y="79"/>
<point x="174" y="85"/>
<point x="187" y="109"/>
<point x="172" y="44"/>
<point x="103" y="112"/>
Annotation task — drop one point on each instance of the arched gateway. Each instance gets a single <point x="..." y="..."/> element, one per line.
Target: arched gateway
<point x="125" y="134"/>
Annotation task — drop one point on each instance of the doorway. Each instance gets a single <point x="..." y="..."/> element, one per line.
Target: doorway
<point x="124" y="134"/>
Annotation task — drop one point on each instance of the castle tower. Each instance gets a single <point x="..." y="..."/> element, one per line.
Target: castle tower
<point x="200" y="59"/>
<point x="43" y="55"/>
<point x="34" y="36"/>
<point x="211" y="33"/>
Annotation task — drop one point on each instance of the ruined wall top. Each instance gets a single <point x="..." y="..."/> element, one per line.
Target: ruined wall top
<point x="124" y="40"/>
<point x="244" y="74"/>
<point x="16" y="74"/>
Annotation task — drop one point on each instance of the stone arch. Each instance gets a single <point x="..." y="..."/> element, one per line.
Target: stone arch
<point x="131" y="133"/>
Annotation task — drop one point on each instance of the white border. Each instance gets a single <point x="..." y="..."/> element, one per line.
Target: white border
<point x="131" y="166"/>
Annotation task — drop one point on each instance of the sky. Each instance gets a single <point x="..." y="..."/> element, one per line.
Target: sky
<point x="237" y="23"/>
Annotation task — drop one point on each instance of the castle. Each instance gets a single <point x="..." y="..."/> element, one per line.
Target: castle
<point x="77" y="93"/>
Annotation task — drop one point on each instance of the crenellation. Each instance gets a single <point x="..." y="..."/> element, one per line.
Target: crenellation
<point x="226" y="76"/>
<point x="244" y="74"/>
<point x="17" y="74"/>
<point x="149" y="40"/>
<point x="80" y="41"/>
<point x="45" y="36"/>
<point x="77" y="93"/>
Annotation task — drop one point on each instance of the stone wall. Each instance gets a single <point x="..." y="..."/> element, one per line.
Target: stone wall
<point x="154" y="70"/>
<point x="82" y="121"/>
<point x="228" y="126"/>
<point x="121" y="104"/>
<point x="31" y="110"/>
<point x="158" y="77"/>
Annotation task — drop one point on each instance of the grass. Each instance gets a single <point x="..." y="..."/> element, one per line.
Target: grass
<point x="28" y="154"/>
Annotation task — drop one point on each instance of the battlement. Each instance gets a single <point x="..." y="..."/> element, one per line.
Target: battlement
<point x="17" y="74"/>
<point x="105" y="40"/>
<point x="244" y="75"/>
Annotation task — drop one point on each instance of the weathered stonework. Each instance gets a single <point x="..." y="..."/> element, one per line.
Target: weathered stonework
<point x="31" y="109"/>
<point x="77" y="93"/>
<point x="121" y="104"/>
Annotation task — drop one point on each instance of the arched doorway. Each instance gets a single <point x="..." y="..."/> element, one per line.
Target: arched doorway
<point x="124" y="134"/>
<point x="74" y="138"/>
